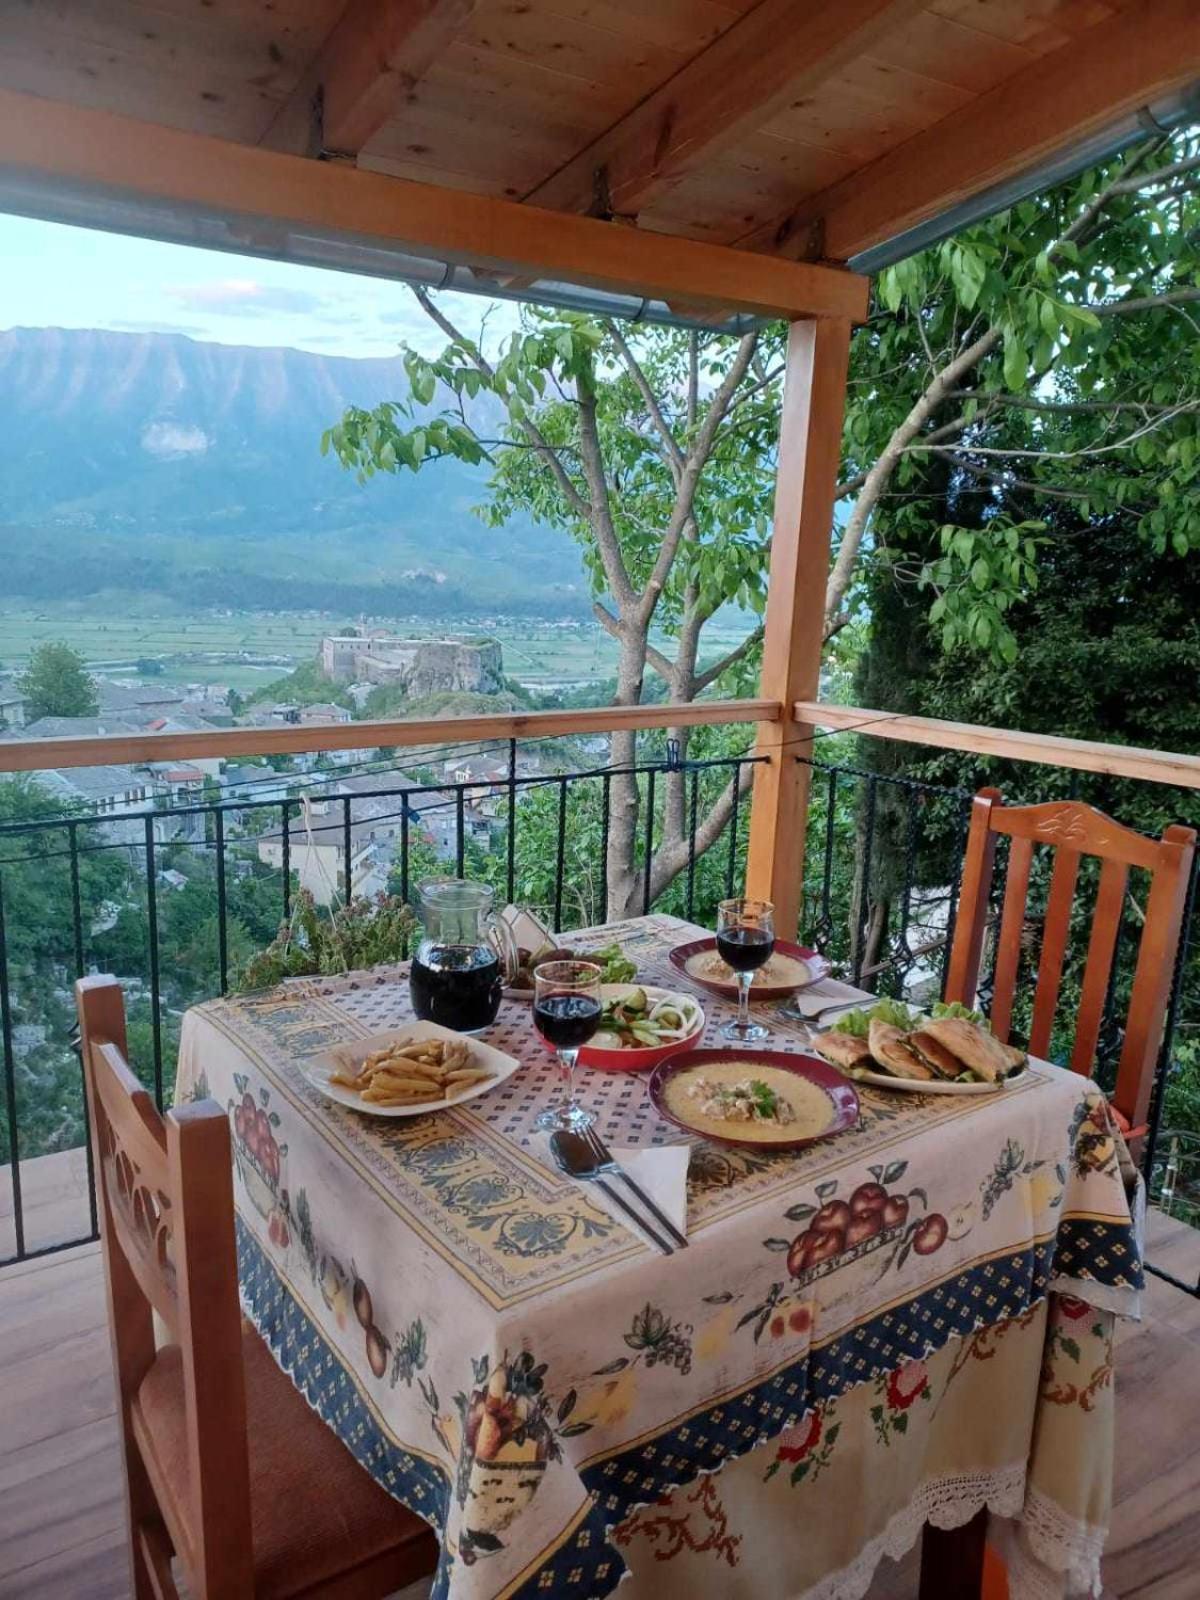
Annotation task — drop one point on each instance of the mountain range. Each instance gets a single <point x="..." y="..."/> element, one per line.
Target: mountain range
<point x="155" y="463"/>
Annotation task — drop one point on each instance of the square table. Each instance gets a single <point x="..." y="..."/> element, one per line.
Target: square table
<point x="560" y="1401"/>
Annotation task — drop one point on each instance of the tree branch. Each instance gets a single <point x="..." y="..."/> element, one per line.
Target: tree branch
<point x="607" y="542"/>
<point x="654" y="658"/>
<point x="1149" y="302"/>
<point x="532" y="432"/>
<point x="670" y="860"/>
<point x="731" y="659"/>
<point x="697" y="459"/>
<point x="880" y="473"/>
<point x="649" y="398"/>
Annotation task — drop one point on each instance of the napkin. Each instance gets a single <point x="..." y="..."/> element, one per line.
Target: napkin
<point x="811" y="1001"/>
<point x="661" y="1170"/>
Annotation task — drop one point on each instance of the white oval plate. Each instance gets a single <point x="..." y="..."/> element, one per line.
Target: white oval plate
<point x="881" y="1080"/>
<point x="319" y="1069"/>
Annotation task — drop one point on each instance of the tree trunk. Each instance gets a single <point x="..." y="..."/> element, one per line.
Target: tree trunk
<point x="624" y="886"/>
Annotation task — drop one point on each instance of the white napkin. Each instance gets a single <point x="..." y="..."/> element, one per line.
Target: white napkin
<point x="661" y="1170"/>
<point x="811" y="1001"/>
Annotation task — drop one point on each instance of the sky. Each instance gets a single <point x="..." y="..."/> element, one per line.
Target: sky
<point x="53" y="276"/>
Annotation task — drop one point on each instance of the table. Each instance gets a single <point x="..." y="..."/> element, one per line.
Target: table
<point x="558" y="1400"/>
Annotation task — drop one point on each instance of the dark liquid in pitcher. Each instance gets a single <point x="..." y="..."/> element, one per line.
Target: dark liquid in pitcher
<point x="456" y="985"/>
<point x="744" y="949"/>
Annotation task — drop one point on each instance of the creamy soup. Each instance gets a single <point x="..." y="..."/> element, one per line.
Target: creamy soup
<point x="777" y="972"/>
<point x="712" y="1099"/>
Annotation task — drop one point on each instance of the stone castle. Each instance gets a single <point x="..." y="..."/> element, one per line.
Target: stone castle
<point x="419" y="666"/>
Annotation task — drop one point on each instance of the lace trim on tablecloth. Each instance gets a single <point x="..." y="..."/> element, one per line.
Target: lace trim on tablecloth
<point x="946" y="1503"/>
<point x="1047" y="1546"/>
<point x="1044" y="1548"/>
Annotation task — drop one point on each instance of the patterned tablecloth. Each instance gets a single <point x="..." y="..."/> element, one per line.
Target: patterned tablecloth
<point x="516" y="1367"/>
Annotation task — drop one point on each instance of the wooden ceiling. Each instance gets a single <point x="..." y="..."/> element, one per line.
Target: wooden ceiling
<point x="808" y="128"/>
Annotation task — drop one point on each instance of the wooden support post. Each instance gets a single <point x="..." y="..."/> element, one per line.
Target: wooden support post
<point x="810" y="446"/>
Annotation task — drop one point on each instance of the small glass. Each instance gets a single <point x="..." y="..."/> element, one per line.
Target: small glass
<point x="745" y="940"/>
<point x="566" y="1012"/>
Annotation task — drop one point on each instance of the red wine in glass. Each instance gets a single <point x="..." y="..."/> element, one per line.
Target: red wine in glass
<point x="745" y="939"/>
<point x="567" y="1020"/>
<point x="566" y="1012"/>
<point x="745" y="949"/>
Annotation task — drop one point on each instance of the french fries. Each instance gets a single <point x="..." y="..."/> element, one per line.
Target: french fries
<point x="411" y="1072"/>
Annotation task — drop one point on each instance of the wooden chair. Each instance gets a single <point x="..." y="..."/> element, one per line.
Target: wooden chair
<point x="226" y="1466"/>
<point x="1074" y="830"/>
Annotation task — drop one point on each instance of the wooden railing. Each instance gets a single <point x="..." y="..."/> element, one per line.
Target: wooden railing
<point x="29" y="755"/>
<point x="1082" y="755"/>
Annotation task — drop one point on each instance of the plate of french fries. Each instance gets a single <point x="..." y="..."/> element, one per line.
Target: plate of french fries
<point x="418" y="1068"/>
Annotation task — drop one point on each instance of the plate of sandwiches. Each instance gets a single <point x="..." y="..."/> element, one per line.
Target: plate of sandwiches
<point x="950" y="1050"/>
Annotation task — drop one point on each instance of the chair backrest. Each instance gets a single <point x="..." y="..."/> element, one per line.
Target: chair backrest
<point x="1074" y="830"/>
<point x="165" y="1191"/>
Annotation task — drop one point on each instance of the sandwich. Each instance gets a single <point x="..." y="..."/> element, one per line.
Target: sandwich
<point x="952" y="1046"/>
<point x="845" y="1050"/>
<point x="892" y="1052"/>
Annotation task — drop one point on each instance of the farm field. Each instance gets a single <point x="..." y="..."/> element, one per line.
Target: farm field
<point x="545" y="655"/>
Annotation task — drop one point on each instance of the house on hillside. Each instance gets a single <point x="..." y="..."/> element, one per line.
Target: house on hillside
<point x="12" y="708"/>
<point x="120" y="799"/>
<point x="138" y="703"/>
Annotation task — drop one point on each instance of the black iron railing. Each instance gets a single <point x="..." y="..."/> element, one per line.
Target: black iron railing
<point x="882" y="886"/>
<point x="174" y="898"/>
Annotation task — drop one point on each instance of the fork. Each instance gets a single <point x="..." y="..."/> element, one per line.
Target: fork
<point x="817" y="1016"/>
<point x="606" y="1163"/>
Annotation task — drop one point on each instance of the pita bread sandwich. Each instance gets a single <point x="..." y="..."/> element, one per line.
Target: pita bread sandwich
<point x="952" y="1046"/>
<point x="894" y="1055"/>
<point x="845" y="1050"/>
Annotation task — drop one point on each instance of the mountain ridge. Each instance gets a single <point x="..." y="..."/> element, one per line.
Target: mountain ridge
<point x="205" y="457"/>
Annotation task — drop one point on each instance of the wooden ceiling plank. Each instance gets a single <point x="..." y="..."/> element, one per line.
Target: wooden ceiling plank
<point x="771" y="54"/>
<point x="376" y="53"/>
<point x="1064" y="96"/>
<point x="52" y="144"/>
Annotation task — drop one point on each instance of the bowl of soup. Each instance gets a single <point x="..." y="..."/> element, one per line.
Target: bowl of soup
<point x="756" y="1099"/>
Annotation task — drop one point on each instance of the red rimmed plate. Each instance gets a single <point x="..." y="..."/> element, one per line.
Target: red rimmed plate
<point x="838" y="1092"/>
<point x="809" y="968"/>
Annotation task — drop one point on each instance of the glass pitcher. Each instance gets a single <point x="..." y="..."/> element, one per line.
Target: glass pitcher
<point x="466" y="956"/>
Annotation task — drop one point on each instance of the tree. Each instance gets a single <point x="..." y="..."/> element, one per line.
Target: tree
<point x="1045" y="356"/>
<point x="56" y="683"/>
<point x="653" y="449"/>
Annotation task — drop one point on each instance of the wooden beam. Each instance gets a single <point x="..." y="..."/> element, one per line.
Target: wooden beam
<point x="33" y="755"/>
<point x="1119" y="65"/>
<point x="774" y="53"/>
<point x="378" y="51"/>
<point x="1052" y="750"/>
<point x="52" y="144"/>
<point x="810" y="447"/>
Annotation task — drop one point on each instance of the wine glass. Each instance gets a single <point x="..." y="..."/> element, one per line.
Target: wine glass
<point x="566" y="1012"/>
<point x="745" y="939"/>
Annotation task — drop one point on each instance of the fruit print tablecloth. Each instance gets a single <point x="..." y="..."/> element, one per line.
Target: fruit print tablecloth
<point x="515" y="1366"/>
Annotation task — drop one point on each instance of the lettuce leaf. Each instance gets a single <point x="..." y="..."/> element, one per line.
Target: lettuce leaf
<point x="858" y="1023"/>
<point x="955" y="1008"/>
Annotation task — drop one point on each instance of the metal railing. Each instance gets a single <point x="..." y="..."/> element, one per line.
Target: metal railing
<point x="884" y="857"/>
<point x="174" y="898"/>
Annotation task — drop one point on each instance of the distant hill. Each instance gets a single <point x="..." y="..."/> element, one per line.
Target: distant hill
<point x="158" y="463"/>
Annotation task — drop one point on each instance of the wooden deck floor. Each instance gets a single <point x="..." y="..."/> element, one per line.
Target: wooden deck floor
<point x="61" y="1536"/>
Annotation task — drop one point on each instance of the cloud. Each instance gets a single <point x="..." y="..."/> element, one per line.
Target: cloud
<point x="246" y="297"/>
<point x="171" y="441"/>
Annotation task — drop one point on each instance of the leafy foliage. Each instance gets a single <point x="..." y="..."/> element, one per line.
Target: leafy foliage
<point x="56" y="683"/>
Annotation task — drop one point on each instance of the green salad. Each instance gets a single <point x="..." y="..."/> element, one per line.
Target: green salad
<point x="897" y="1015"/>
